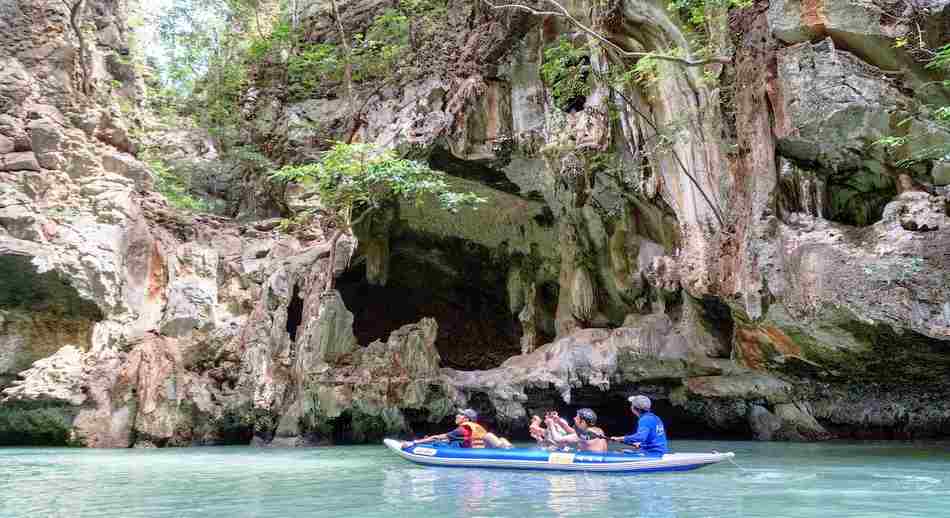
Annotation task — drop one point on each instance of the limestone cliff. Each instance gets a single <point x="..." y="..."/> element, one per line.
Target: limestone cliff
<point x="726" y="237"/>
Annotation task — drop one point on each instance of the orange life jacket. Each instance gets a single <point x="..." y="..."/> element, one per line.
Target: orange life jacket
<point x="477" y="437"/>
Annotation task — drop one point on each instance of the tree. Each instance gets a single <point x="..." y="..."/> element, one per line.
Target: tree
<point x="561" y="12"/>
<point x="354" y="180"/>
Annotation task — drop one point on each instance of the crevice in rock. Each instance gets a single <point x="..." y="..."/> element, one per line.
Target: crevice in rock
<point x="294" y="313"/>
<point x="479" y="171"/>
<point x="453" y="281"/>
<point x="858" y="198"/>
<point x="718" y="321"/>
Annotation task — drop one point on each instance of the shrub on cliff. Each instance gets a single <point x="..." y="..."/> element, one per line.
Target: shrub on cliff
<point x="352" y="181"/>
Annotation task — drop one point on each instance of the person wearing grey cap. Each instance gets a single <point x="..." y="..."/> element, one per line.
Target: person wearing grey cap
<point x="650" y="436"/>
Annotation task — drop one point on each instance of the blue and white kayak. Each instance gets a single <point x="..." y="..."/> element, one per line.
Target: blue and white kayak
<point x="536" y="458"/>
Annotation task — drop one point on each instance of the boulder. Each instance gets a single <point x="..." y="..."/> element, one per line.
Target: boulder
<point x="57" y="378"/>
<point x="22" y="161"/>
<point x="125" y="165"/>
<point x="753" y="385"/>
<point x="917" y="211"/>
<point x="6" y="145"/>
<point x="831" y="105"/>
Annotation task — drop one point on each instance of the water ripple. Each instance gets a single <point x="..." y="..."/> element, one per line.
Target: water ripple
<point x="788" y="480"/>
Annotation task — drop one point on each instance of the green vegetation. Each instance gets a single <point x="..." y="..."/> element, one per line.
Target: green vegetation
<point x="566" y="69"/>
<point x="35" y="424"/>
<point x="694" y="11"/>
<point x="924" y="135"/>
<point x="176" y="186"/>
<point x="351" y="181"/>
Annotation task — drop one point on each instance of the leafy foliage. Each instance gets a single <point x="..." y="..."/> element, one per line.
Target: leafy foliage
<point x="932" y="143"/>
<point x="694" y="11"/>
<point x="176" y="187"/>
<point x="34" y="425"/>
<point x="313" y="65"/>
<point x="384" y="44"/>
<point x="356" y="178"/>
<point x="565" y="69"/>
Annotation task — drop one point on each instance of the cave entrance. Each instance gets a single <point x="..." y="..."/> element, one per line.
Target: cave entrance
<point x="858" y="198"/>
<point x="615" y="417"/>
<point x="451" y="280"/>
<point x="39" y="313"/>
<point x="294" y="313"/>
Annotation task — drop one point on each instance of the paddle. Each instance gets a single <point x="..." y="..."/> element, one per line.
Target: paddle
<point x="611" y="439"/>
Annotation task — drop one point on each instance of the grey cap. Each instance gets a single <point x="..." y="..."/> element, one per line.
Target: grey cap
<point x="640" y="402"/>
<point x="469" y="413"/>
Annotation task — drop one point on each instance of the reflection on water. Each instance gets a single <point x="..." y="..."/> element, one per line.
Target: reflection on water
<point x="570" y="493"/>
<point x="777" y="480"/>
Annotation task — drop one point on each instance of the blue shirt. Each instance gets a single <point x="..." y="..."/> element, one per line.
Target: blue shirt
<point x="650" y="434"/>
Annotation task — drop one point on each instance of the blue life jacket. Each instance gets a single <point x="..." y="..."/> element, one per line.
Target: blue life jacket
<point x="651" y="434"/>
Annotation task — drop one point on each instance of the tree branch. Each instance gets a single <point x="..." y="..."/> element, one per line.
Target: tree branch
<point x="361" y="217"/>
<point x="76" y="9"/>
<point x="594" y="34"/>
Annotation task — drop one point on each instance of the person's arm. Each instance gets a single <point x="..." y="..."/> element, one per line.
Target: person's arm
<point x="643" y="431"/>
<point x="555" y="432"/>
<point x="564" y="425"/>
<point x="455" y="435"/>
<point x="571" y="438"/>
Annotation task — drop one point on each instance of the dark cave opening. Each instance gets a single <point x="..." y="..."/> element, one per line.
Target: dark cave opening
<point x="294" y="313"/>
<point x="23" y="288"/>
<point x="858" y="198"/>
<point x="42" y="311"/>
<point x="614" y="415"/>
<point x="716" y="318"/>
<point x="455" y="282"/>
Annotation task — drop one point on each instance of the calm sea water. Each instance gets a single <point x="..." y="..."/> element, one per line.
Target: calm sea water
<point x="775" y="480"/>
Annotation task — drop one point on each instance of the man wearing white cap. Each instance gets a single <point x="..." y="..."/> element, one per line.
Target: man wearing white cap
<point x="650" y="436"/>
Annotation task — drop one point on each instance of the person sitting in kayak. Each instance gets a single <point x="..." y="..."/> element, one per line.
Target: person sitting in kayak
<point x="546" y="437"/>
<point x="650" y="436"/>
<point x="537" y="431"/>
<point x="584" y="434"/>
<point x="468" y="433"/>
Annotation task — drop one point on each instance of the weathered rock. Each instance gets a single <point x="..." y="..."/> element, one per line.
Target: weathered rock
<point x="941" y="173"/>
<point x="829" y="97"/>
<point x="918" y="211"/>
<point x="125" y="165"/>
<point x="23" y="161"/>
<point x="57" y="378"/>
<point x="6" y="145"/>
<point x="745" y="386"/>
<point x="790" y="422"/>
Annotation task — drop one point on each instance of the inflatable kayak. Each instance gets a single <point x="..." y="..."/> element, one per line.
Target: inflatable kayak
<point x="536" y="458"/>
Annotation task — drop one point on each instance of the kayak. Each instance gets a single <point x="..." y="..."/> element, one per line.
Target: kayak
<point x="539" y="459"/>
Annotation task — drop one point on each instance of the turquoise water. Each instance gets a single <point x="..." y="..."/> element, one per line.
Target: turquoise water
<point x="776" y="480"/>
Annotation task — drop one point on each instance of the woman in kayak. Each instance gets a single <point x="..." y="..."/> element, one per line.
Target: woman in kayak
<point x="547" y="438"/>
<point x="468" y="433"/>
<point x="584" y="434"/>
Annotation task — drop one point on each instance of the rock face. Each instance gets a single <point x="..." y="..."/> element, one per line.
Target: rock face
<point x="767" y="272"/>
